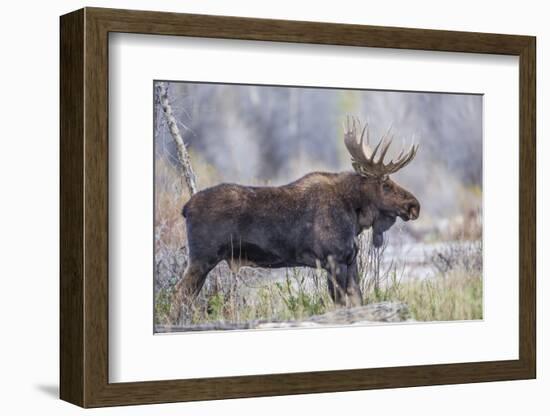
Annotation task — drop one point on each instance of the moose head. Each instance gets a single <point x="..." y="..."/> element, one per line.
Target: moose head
<point x="389" y="199"/>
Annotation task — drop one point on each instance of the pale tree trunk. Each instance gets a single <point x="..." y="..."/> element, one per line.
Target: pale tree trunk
<point x="183" y="155"/>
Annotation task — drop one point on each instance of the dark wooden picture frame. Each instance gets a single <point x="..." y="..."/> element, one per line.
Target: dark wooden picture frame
<point x="84" y="207"/>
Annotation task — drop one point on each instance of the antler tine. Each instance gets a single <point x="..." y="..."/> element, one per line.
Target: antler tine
<point x="384" y="151"/>
<point x="399" y="155"/>
<point x="399" y="159"/>
<point x="369" y="164"/>
<point x="345" y="126"/>
<point x="371" y="158"/>
<point x="355" y="147"/>
<point x="404" y="161"/>
<point x="363" y="134"/>
<point x="410" y="158"/>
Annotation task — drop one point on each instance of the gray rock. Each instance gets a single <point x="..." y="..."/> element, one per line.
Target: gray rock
<point x="362" y="315"/>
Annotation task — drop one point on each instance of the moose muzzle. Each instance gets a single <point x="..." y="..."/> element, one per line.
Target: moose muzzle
<point x="414" y="210"/>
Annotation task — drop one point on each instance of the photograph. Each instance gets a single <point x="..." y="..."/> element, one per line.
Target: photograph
<point x="306" y="207"/>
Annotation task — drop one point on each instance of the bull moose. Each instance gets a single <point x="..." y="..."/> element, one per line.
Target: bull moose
<point x="311" y="222"/>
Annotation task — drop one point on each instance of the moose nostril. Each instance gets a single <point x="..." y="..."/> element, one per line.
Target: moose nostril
<point x="414" y="208"/>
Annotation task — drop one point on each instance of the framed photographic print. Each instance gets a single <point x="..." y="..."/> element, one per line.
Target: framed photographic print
<point x="255" y="207"/>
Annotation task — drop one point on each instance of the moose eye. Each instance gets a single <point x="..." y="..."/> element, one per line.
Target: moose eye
<point x="386" y="187"/>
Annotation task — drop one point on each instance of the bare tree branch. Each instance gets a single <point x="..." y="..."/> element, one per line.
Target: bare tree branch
<point x="183" y="155"/>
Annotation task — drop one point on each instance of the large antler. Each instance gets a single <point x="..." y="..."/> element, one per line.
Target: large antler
<point x="365" y="164"/>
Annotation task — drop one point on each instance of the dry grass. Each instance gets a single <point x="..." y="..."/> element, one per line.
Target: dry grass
<point x="453" y="296"/>
<point x="253" y="294"/>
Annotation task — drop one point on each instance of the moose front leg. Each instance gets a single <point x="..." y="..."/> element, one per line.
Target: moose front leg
<point x="353" y="291"/>
<point x="343" y="285"/>
<point x="337" y="282"/>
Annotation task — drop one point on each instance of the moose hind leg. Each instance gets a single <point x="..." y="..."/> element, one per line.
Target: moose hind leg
<point x="189" y="286"/>
<point x="337" y="282"/>
<point x="353" y="291"/>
